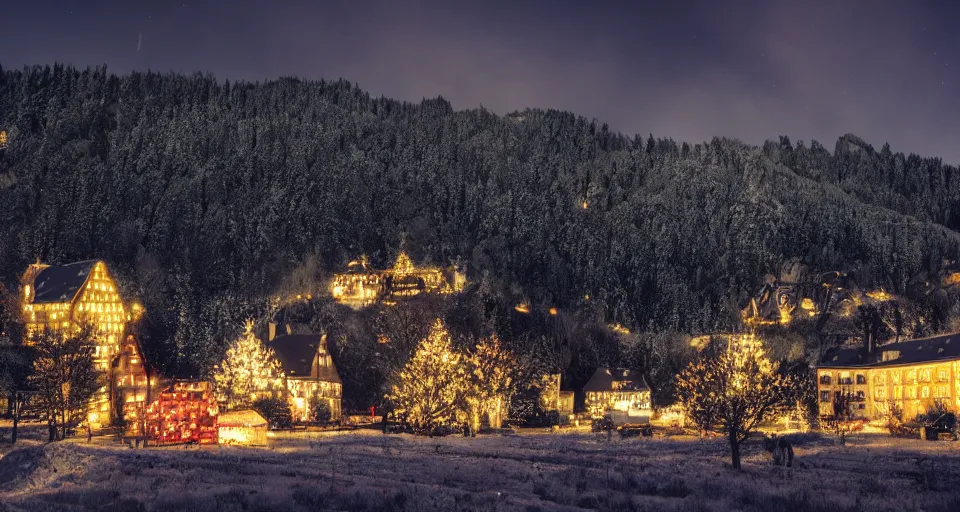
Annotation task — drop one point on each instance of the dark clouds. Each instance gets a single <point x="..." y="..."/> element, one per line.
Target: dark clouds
<point x="887" y="71"/>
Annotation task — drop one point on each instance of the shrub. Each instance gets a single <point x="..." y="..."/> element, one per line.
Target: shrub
<point x="320" y="410"/>
<point x="275" y="410"/>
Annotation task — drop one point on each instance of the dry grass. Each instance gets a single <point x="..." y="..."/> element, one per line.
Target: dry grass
<point x="367" y="471"/>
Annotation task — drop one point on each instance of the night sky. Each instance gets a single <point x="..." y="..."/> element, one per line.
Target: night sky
<point x="887" y="71"/>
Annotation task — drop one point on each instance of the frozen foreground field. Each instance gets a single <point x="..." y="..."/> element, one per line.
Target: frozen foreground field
<point x="531" y="471"/>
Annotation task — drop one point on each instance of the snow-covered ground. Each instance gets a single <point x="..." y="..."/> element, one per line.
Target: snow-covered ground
<point x="529" y="471"/>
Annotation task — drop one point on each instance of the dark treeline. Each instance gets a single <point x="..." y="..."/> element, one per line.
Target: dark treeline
<point x="205" y="195"/>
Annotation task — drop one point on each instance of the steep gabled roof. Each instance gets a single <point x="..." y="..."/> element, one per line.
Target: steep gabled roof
<point x="296" y="353"/>
<point x="60" y="283"/>
<point x="603" y="379"/>
<point x="923" y="350"/>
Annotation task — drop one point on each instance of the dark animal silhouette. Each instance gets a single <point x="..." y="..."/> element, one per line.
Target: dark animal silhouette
<point x="781" y="449"/>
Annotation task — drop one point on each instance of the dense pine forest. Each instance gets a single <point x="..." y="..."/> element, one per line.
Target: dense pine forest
<point x="207" y="197"/>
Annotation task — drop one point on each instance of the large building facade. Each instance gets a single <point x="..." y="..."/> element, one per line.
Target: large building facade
<point x="912" y="376"/>
<point x="67" y="298"/>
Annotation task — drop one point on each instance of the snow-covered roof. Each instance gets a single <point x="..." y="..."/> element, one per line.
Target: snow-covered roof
<point x="241" y="418"/>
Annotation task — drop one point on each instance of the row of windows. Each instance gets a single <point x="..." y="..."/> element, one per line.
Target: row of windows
<point x="844" y="379"/>
<point x="896" y="377"/>
<point x="827" y="396"/>
<point x="899" y="393"/>
<point x="100" y="307"/>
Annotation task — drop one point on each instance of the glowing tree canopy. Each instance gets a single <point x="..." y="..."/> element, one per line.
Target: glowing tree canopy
<point x="431" y="387"/>
<point x="249" y="371"/>
<point x="493" y="376"/>
<point x="403" y="265"/>
<point x="732" y="389"/>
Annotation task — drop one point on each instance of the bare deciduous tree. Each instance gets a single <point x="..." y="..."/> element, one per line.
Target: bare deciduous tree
<point x="64" y="377"/>
<point x="732" y="389"/>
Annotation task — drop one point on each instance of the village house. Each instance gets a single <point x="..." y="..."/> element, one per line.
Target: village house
<point x="68" y="297"/>
<point x="308" y="372"/>
<point x="362" y="286"/>
<point x="913" y="374"/>
<point x="617" y="389"/>
<point x="134" y="385"/>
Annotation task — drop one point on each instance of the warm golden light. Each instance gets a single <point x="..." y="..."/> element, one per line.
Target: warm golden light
<point x="951" y="279"/>
<point x="619" y="329"/>
<point x="361" y="286"/>
<point x="523" y="307"/>
<point x="248" y="371"/>
<point x="92" y="301"/>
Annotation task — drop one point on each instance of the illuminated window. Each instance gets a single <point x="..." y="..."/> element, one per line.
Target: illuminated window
<point x="881" y="393"/>
<point x="943" y="375"/>
<point x="925" y="392"/>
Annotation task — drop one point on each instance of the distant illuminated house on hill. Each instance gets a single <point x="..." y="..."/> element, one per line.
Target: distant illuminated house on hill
<point x="913" y="374"/>
<point x="362" y="286"/>
<point x="67" y="297"/>
<point x="780" y="301"/>
<point x="308" y="372"/>
<point x="616" y="389"/>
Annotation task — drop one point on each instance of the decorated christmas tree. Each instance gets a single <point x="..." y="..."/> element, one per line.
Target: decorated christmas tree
<point x="249" y="371"/>
<point x="430" y="389"/>
<point x="493" y="378"/>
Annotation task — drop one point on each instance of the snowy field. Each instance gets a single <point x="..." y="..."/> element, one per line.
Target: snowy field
<point x="528" y="472"/>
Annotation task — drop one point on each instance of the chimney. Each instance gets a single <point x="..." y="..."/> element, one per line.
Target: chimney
<point x="869" y="345"/>
<point x="273" y="332"/>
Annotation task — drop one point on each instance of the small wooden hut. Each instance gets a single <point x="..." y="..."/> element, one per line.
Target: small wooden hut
<point x="243" y="427"/>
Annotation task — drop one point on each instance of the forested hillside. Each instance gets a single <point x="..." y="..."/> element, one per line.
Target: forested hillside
<point x="206" y="195"/>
